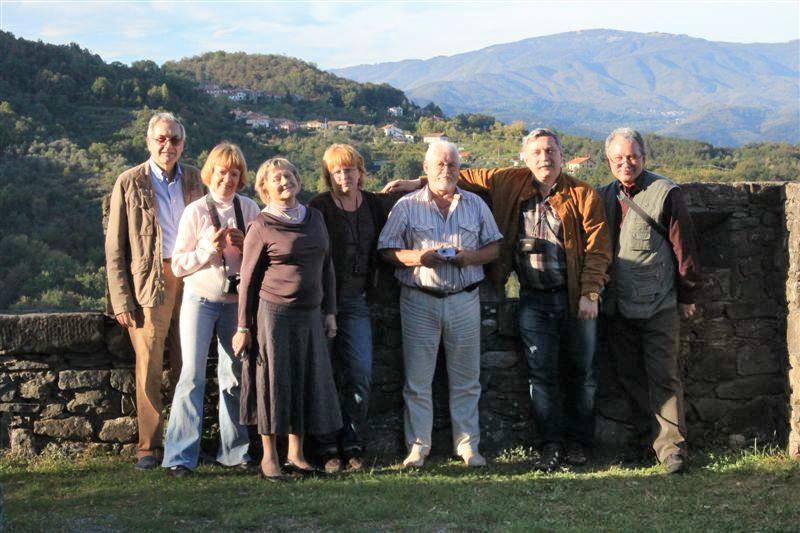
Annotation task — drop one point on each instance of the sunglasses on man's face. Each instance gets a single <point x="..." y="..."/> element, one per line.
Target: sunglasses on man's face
<point x="162" y="140"/>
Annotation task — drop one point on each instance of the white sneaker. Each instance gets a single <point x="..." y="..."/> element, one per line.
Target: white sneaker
<point x="473" y="459"/>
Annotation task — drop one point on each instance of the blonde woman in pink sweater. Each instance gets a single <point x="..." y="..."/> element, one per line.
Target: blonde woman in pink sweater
<point x="208" y="255"/>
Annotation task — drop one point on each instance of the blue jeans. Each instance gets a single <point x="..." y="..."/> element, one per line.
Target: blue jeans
<point x="198" y="320"/>
<point x="561" y="369"/>
<point x="353" y="347"/>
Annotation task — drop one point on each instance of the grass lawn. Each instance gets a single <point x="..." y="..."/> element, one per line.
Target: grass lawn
<point x="730" y="491"/>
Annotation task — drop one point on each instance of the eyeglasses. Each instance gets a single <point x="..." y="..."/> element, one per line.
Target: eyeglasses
<point x="162" y="140"/>
<point x="632" y="159"/>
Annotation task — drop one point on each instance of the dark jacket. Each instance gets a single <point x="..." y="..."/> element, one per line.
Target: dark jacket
<point x="380" y="281"/>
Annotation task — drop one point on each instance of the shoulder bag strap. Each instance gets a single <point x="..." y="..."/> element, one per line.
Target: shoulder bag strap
<point x="647" y="218"/>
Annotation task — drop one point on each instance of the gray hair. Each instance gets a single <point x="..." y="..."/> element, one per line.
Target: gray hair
<point x="542" y="132"/>
<point x="164" y="117"/>
<point x="437" y="146"/>
<point x="630" y="135"/>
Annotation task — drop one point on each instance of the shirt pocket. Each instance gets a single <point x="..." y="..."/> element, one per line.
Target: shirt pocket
<point x="422" y="236"/>
<point x="468" y="235"/>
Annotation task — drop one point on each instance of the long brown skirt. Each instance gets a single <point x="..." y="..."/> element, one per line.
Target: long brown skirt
<point x="287" y="384"/>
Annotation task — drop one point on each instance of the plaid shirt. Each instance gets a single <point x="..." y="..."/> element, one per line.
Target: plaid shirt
<point x="544" y="265"/>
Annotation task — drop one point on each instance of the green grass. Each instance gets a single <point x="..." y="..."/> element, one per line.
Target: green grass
<point x="732" y="491"/>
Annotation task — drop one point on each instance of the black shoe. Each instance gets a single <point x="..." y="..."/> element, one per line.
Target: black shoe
<point x="245" y="467"/>
<point x="295" y="470"/>
<point x="180" y="471"/>
<point x="148" y="462"/>
<point x="280" y="478"/>
<point x="550" y="459"/>
<point x="575" y="454"/>
<point x="674" y="464"/>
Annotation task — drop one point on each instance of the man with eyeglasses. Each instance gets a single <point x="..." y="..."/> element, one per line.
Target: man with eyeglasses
<point x="557" y="241"/>
<point x="144" y="295"/>
<point x="653" y="281"/>
<point x="438" y="237"/>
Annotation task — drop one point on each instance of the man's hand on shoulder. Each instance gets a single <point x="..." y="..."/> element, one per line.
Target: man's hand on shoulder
<point x="402" y="186"/>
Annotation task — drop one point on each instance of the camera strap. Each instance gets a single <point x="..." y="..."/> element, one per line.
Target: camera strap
<point x="212" y="211"/>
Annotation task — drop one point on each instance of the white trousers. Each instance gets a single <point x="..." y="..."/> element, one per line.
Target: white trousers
<point x="455" y="320"/>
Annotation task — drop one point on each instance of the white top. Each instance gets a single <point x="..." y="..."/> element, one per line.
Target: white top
<point x="194" y="259"/>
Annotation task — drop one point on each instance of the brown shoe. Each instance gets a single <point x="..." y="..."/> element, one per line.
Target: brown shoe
<point x="355" y="463"/>
<point x="332" y="465"/>
<point x="575" y="454"/>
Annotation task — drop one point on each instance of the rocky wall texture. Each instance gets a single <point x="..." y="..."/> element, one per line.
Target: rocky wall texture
<point x="793" y="319"/>
<point x="66" y="380"/>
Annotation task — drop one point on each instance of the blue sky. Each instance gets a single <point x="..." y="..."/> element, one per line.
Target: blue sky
<point x="339" y="34"/>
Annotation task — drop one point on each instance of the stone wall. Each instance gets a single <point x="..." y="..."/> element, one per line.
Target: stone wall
<point x="793" y="299"/>
<point x="66" y="380"/>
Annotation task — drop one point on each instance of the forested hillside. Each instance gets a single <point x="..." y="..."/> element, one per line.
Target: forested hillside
<point x="304" y="91"/>
<point x="70" y="123"/>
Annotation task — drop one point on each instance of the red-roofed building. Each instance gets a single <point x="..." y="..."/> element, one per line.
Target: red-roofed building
<point x="583" y="161"/>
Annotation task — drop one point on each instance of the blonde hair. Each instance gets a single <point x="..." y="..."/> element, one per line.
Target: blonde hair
<point x="226" y="155"/>
<point x="276" y="163"/>
<point x="341" y="155"/>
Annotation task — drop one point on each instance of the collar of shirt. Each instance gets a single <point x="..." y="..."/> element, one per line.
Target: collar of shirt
<point x="161" y="175"/>
<point x="631" y="190"/>
<point x="428" y="196"/>
<point x="554" y="189"/>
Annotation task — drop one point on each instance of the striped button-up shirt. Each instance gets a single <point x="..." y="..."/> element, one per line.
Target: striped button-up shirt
<point x="415" y="223"/>
<point x="169" y="205"/>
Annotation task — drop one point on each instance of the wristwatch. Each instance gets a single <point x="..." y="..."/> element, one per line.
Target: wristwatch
<point x="242" y="330"/>
<point x="593" y="296"/>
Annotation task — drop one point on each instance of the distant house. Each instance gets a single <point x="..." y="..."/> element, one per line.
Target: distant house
<point x="409" y="138"/>
<point x="285" y="124"/>
<point x="583" y="161"/>
<point x="390" y="130"/>
<point x="238" y="95"/>
<point x="433" y="137"/>
<point x="257" y="120"/>
<point x="314" y="125"/>
<point x="395" y="111"/>
<point x="338" y="124"/>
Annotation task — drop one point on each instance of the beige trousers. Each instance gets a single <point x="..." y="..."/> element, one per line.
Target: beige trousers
<point x="156" y="327"/>
<point x="455" y="321"/>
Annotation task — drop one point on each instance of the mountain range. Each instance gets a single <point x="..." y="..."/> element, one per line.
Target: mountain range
<point x="588" y="82"/>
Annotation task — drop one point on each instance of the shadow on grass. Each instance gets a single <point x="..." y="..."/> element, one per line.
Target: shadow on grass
<point x="720" y="492"/>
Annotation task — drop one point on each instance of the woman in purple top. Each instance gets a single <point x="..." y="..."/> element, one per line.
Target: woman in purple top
<point x="287" y="287"/>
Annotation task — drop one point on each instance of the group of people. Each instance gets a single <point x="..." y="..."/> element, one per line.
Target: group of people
<point x="286" y="289"/>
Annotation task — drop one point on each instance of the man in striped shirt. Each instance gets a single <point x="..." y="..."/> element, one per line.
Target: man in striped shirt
<point x="558" y="243"/>
<point x="439" y="237"/>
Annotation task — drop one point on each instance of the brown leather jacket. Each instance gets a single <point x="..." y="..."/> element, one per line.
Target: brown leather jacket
<point x="587" y="240"/>
<point x="134" y="264"/>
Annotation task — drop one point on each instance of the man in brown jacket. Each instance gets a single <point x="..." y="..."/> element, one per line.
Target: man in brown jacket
<point x="146" y="205"/>
<point x="557" y="241"/>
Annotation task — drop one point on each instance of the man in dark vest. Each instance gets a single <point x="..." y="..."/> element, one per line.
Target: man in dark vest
<point x="653" y="280"/>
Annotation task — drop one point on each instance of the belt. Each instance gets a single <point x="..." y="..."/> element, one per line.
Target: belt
<point x="548" y="291"/>
<point x="440" y="294"/>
